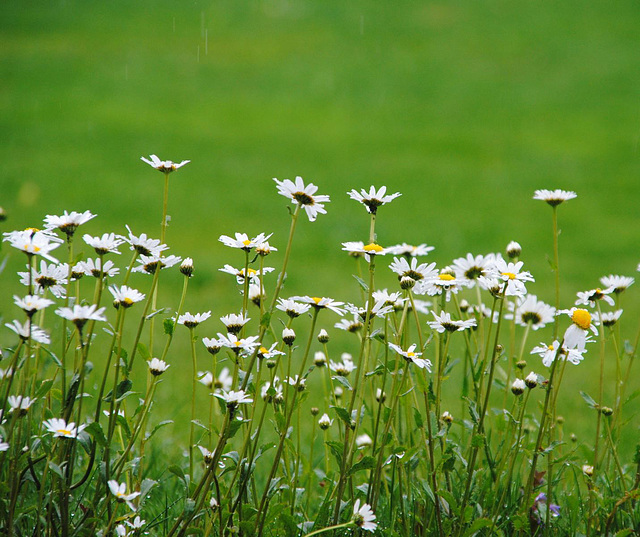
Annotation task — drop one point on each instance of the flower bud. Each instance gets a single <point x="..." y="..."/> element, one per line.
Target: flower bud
<point x="407" y="283"/>
<point x="187" y="267"/>
<point x="607" y="411"/>
<point x="380" y="396"/>
<point x="521" y="364"/>
<point x="319" y="359"/>
<point x="325" y="422"/>
<point x="464" y="306"/>
<point x="323" y="337"/>
<point x="446" y="417"/>
<point x="513" y="250"/>
<point x="518" y="387"/>
<point x="531" y="380"/>
<point x="288" y="336"/>
<point x="587" y="470"/>
<point x="315" y="410"/>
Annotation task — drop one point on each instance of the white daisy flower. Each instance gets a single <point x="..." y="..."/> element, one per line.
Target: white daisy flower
<point x="588" y="298"/>
<point x="444" y="322"/>
<point x="533" y="312"/>
<point x="609" y="318"/>
<point x="137" y="523"/>
<point x="206" y="455"/>
<point x="292" y="308"/>
<point x="350" y="325"/>
<point x="213" y="345"/>
<point x="363" y="517"/>
<point x="95" y="268"/>
<point x="3" y="445"/>
<point x="205" y="378"/>
<point x="518" y="387"/>
<point x="288" y="336"/>
<point x="618" y="283"/>
<point x="157" y="366"/>
<point x="531" y="380"/>
<point x="50" y="277"/>
<point x="144" y="245"/>
<point x="264" y="248"/>
<point x="234" y="323"/>
<point x="27" y="330"/>
<point x="321" y="303"/>
<point x="79" y="315"/>
<point x="363" y="440"/>
<point x="119" y="490"/>
<point x="359" y="247"/>
<point x="344" y="367"/>
<point x="191" y="320"/>
<point x="548" y="353"/>
<point x="61" y="428"/>
<point x="233" y="399"/>
<point x="246" y="345"/>
<point x="413" y="270"/>
<point x="389" y="299"/>
<point x="299" y="383"/>
<point x="67" y="222"/>
<point x="271" y="352"/>
<point x="554" y="197"/>
<point x="243" y="242"/>
<point x="107" y="244"/>
<point x="409" y="250"/>
<point x="446" y="281"/>
<point x="254" y="275"/>
<point x="304" y="196"/>
<point x="20" y="404"/>
<point x="510" y="273"/>
<point x="164" y="166"/>
<point x="150" y="264"/>
<point x="470" y="268"/>
<point x="575" y="336"/>
<point x="31" y="303"/>
<point x="125" y="296"/>
<point x="412" y="356"/>
<point x="33" y="242"/>
<point x="374" y="198"/>
<point x="272" y="392"/>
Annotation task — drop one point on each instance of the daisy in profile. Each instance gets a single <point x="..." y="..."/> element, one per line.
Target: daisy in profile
<point x="157" y="366"/>
<point x="304" y="196"/>
<point x="150" y="264"/>
<point x="554" y="197"/>
<point x="27" y="330"/>
<point x="321" y="303"/>
<point x="107" y="244"/>
<point x="409" y="250"/>
<point x="344" y="367"/>
<point x="191" y="320"/>
<point x="79" y="315"/>
<point x="233" y="399"/>
<point x="363" y="517"/>
<point x="213" y="345"/>
<point x="359" y="247"/>
<point x="125" y="296"/>
<point x="144" y="245"/>
<point x="19" y="404"/>
<point x="243" y="242"/>
<point x="31" y="303"/>
<point x="33" y="242"/>
<point x="119" y="490"/>
<point x="95" y="268"/>
<point x="246" y="345"/>
<point x="292" y="308"/>
<point x="608" y="318"/>
<point x="350" y="325"/>
<point x="234" y="323"/>
<point x="444" y="323"/>
<point x="575" y="336"/>
<point x="533" y="312"/>
<point x="253" y="275"/>
<point x="67" y="222"/>
<point x="373" y="198"/>
<point x="411" y="356"/>
<point x="164" y="166"/>
<point x="61" y="428"/>
<point x="619" y="284"/>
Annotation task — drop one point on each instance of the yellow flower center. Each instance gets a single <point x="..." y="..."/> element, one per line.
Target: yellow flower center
<point x="263" y="350"/>
<point x="550" y="347"/>
<point x="446" y="277"/>
<point x="128" y="301"/>
<point x="411" y="354"/>
<point x="252" y="271"/>
<point x="316" y="299"/>
<point x="65" y="432"/>
<point x="32" y="229"/>
<point x="582" y="318"/>
<point x="509" y="275"/>
<point x="373" y="248"/>
<point x="247" y="242"/>
<point x="237" y="343"/>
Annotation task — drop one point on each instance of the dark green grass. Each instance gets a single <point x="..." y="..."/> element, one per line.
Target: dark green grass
<point x="464" y="107"/>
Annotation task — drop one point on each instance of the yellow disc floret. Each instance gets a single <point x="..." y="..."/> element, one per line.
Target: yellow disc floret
<point x="582" y="318"/>
<point x="446" y="277"/>
<point x="373" y="248"/>
<point x="509" y="275"/>
<point x="316" y="299"/>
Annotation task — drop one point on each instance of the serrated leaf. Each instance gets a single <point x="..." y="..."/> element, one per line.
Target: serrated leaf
<point x="477" y="525"/>
<point x="336" y="448"/>
<point x="343" y="414"/>
<point x="366" y="463"/>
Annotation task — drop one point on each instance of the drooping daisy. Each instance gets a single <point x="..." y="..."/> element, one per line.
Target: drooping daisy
<point x="31" y="303"/>
<point x="413" y="270"/>
<point x="359" y="247"/>
<point x="348" y="325"/>
<point x="150" y="264"/>
<point x="95" y="268"/>
<point x="363" y="517"/>
<point x="412" y="356"/>
<point x="243" y="242"/>
<point x="33" y="242"/>
<point x="119" y="490"/>
<point x="234" y="323"/>
<point x="50" y="277"/>
<point x="363" y="440"/>
<point x="513" y="276"/>
<point x="213" y="345"/>
<point x="554" y="197"/>
<point x="107" y="244"/>
<point x="269" y="353"/>
<point x="410" y="250"/>
<point x="61" y="428"/>
<point x="20" y="404"/>
<point x="80" y="315"/>
<point x="533" y="312"/>
<point x="444" y="322"/>
<point x="608" y="318"/>
<point x="304" y="196"/>
<point x="618" y="283"/>
<point x="321" y="303"/>
<point x="292" y="308"/>
<point x="589" y="298"/>
<point x="27" y="330"/>
<point x="374" y="198"/>
<point x="253" y="275"/>
<point x="144" y="245"/>
<point x="67" y="222"/>
<point x="191" y="320"/>
<point x="548" y="353"/>
<point x="471" y="267"/>
<point x="157" y="366"/>
<point x="164" y="166"/>
<point x="575" y="336"/>
<point x="125" y="296"/>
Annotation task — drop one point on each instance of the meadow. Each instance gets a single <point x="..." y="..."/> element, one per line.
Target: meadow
<point x="465" y="109"/>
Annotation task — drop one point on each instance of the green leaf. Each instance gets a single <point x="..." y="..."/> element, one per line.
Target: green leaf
<point x="336" y="448"/>
<point x="177" y="471"/>
<point x="235" y="425"/>
<point x="56" y="470"/>
<point x="168" y="325"/>
<point x="96" y="432"/>
<point x="343" y="414"/>
<point x="366" y="463"/>
<point x="44" y="388"/>
<point x="344" y="381"/>
<point x="53" y="356"/>
<point x="362" y="283"/>
<point x="477" y="525"/>
<point x="265" y="321"/>
<point x="121" y="391"/>
<point x="143" y="351"/>
<point x="589" y="400"/>
<point x="157" y="427"/>
<point x="417" y="416"/>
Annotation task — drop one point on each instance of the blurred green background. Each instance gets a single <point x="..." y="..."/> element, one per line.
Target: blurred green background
<point x="464" y="107"/>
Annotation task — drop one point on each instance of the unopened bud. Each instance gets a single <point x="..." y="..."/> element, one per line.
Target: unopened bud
<point x="323" y="337"/>
<point x="513" y="250"/>
<point x="288" y="336"/>
<point x="518" y="387"/>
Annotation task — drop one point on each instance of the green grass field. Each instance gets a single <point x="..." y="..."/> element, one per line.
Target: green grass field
<point x="464" y="107"/>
